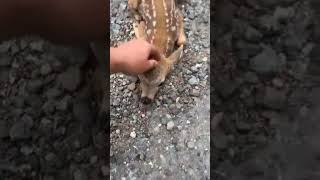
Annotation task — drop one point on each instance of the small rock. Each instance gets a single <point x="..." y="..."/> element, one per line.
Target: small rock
<point x="133" y="134"/>
<point x="45" y="69"/>
<point x="118" y="131"/>
<point x="283" y="14"/>
<point x="272" y="98"/>
<point x="70" y="79"/>
<point x="5" y="60"/>
<point x="170" y="125"/>
<point x="243" y="126"/>
<point x="50" y="157"/>
<point x="252" y="34"/>
<point x="227" y="88"/>
<point x="35" y="86"/>
<point x="4" y="47"/>
<point x="195" y="92"/>
<point x="48" y="107"/>
<point x="190" y="144"/>
<point x="28" y="120"/>
<point x="105" y="171"/>
<point x="46" y="125"/>
<point x="19" y="101"/>
<point x="79" y="175"/>
<point x="251" y="77"/>
<point x="131" y="86"/>
<point x="267" y="62"/>
<point x="156" y="130"/>
<point x="277" y="82"/>
<point x="64" y="103"/>
<point x="193" y="80"/>
<point x="4" y="130"/>
<point x="53" y="93"/>
<point x="20" y="130"/>
<point x="93" y="159"/>
<point x="26" y="150"/>
<point x="82" y="112"/>
<point x="205" y="59"/>
<point x="220" y="141"/>
<point x="37" y="45"/>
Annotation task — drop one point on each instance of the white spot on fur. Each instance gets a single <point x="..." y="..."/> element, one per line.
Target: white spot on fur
<point x="149" y="31"/>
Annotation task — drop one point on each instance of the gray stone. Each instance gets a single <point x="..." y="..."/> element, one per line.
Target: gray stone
<point x="105" y="171"/>
<point x="80" y="175"/>
<point x="131" y="86"/>
<point x="70" y="79"/>
<point x="26" y="150"/>
<point x="37" y="45"/>
<point x="5" y="60"/>
<point x="170" y="125"/>
<point x="272" y="98"/>
<point x="193" y="80"/>
<point x="53" y="93"/>
<point x="45" y="69"/>
<point x="35" y="85"/>
<point x="252" y="34"/>
<point x="267" y="62"/>
<point x="190" y="144"/>
<point x="4" y="130"/>
<point x="20" y="130"/>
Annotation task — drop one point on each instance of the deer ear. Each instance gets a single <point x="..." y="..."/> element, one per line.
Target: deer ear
<point x="176" y="55"/>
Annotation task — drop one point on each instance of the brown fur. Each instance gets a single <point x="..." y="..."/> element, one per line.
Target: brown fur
<point x="161" y="24"/>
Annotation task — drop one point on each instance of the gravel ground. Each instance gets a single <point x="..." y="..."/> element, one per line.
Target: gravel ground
<point x="168" y="139"/>
<point x="47" y="126"/>
<point x="265" y="90"/>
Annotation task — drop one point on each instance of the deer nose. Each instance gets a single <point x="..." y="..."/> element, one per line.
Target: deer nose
<point x="146" y="100"/>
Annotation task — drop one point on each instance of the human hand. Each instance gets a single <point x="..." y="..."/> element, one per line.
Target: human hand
<point x="134" y="57"/>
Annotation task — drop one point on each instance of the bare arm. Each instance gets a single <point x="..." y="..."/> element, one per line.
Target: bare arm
<point x="133" y="57"/>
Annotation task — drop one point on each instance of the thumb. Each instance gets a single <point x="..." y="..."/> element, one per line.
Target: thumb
<point x="152" y="63"/>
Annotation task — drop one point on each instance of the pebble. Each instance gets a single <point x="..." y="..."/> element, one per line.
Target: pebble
<point x="195" y="92"/>
<point x="133" y="134"/>
<point x="5" y="60"/>
<point x="170" y="125"/>
<point x="45" y="69"/>
<point x="35" y="85"/>
<point x="190" y="144"/>
<point x="105" y="170"/>
<point x="70" y="79"/>
<point x="79" y="175"/>
<point x="4" y="131"/>
<point x="267" y="62"/>
<point x="277" y="82"/>
<point x="93" y="159"/>
<point x="37" y="45"/>
<point x="20" y="130"/>
<point x="131" y="86"/>
<point x="193" y="80"/>
<point x="53" y="93"/>
<point x="118" y="131"/>
<point x="272" y="98"/>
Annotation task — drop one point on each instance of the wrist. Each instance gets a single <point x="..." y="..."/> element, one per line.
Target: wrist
<point x="116" y="61"/>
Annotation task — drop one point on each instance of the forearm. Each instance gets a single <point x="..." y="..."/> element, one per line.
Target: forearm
<point x="115" y="64"/>
<point x="58" y="20"/>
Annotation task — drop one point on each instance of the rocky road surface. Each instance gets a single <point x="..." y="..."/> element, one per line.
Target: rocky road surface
<point x="170" y="138"/>
<point x="48" y="129"/>
<point x="265" y="90"/>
